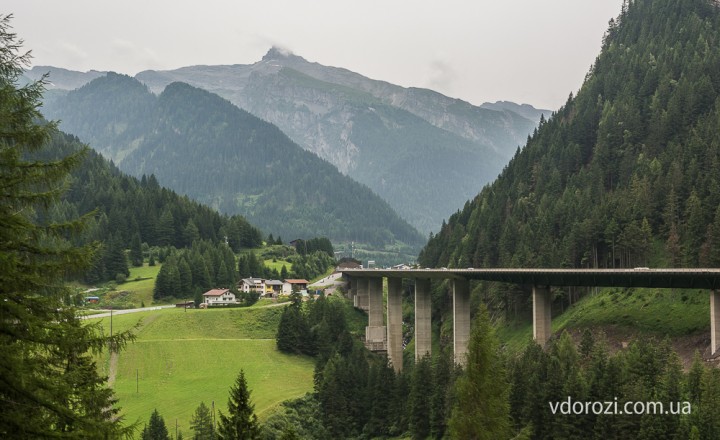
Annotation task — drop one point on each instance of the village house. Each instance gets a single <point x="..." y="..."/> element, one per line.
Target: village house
<point x="295" y="285"/>
<point x="219" y="296"/>
<point x="273" y="288"/>
<point x="248" y="285"/>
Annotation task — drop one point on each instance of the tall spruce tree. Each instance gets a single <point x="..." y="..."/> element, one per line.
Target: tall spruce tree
<point x="421" y="388"/>
<point x="136" y="254"/>
<point x="241" y="421"/>
<point x="155" y="429"/>
<point x="50" y="386"/>
<point x="482" y="409"/>
<point x="202" y="423"/>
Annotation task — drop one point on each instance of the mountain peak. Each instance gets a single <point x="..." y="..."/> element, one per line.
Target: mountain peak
<point x="279" y="53"/>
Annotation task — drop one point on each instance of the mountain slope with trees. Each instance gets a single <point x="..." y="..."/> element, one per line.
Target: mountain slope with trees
<point x="626" y="173"/>
<point x="128" y="212"/>
<point x="203" y="146"/>
<point x="421" y="151"/>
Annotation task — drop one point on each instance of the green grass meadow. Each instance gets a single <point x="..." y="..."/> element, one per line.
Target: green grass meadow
<point x="182" y="358"/>
<point x="657" y="312"/>
<point x="141" y="283"/>
<point x="278" y="264"/>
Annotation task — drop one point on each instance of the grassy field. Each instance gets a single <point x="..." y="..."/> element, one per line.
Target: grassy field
<point x="659" y="312"/>
<point x="141" y="283"/>
<point x="133" y="293"/>
<point x="183" y="357"/>
<point x="278" y="264"/>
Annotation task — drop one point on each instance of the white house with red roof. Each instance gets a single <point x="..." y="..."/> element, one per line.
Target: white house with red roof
<point x="219" y="296"/>
<point x="295" y="285"/>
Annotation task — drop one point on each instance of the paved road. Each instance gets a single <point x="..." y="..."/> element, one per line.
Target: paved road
<point x="126" y="311"/>
<point x="329" y="280"/>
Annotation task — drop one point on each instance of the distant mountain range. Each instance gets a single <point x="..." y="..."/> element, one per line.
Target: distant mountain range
<point x="199" y="144"/>
<point x="424" y="153"/>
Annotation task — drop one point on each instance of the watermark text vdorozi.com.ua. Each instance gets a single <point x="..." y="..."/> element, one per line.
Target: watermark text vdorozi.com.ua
<point x="614" y="407"/>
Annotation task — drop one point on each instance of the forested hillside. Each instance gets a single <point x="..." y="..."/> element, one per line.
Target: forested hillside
<point x="203" y="146"/>
<point x="626" y="173"/>
<point x="130" y="211"/>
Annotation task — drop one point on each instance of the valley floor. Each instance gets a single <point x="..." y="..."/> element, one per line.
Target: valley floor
<point x="182" y="358"/>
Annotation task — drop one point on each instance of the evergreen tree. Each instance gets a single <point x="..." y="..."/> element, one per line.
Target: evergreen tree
<point x="421" y="388"/>
<point x="439" y="411"/>
<point x="293" y="335"/>
<point x="224" y="277"/>
<point x="166" y="228"/>
<point x="243" y="268"/>
<point x="155" y="429"/>
<point x="116" y="264"/>
<point x="136" y="253"/>
<point x="191" y="233"/>
<point x="202" y="423"/>
<point x="255" y="266"/>
<point x="481" y="410"/>
<point x="50" y="386"/>
<point x="241" y="421"/>
<point x="381" y="381"/>
<point x="185" y="276"/>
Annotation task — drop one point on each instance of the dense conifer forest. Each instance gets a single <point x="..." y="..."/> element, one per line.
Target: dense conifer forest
<point x="626" y="173"/>
<point x="127" y="212"/>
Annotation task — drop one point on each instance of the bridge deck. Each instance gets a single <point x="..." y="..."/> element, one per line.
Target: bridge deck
<point x="638" y="277"/>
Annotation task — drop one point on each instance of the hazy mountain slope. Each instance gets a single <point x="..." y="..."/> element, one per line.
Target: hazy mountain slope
<point x="371" y="130"/>
<point x="203" y="146"/>
<point x="63" y="79"/>
<point x="325" y="110"/>
<point x="627" y="173"/>
<point x="524" y="110"/>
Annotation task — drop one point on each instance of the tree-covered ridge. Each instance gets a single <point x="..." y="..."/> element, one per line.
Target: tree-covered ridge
<point x="130" y="211"/>
<point x="627" y="173"/>
<point x="203" y="146"/>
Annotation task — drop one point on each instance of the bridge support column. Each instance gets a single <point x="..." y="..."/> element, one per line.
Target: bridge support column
<point x="361" y="297"/>
<point x="394" y="323"/>
<point x="714" y="321"/>
<point x="375" y="332"/>
<point x="423" y="325"/>
<point x="352" y="289"/>
<point x="542" y="305"/>
<point x="375" y="302"/>
<point x="461" y="320"/>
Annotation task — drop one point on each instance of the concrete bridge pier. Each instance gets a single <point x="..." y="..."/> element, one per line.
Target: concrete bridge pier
<point x="361" y="295"/>
<point x="714" y="324"/>
<point x="352" y="289"/>
<point x="542" y="305"/>
<point x="375" y="332"/>
<point x="461" y="320"/>
<point x="423" y="325"/>
<point x="394" y="323"/>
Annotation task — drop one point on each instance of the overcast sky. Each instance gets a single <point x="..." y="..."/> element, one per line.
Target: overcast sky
<point x="526" y="51"/>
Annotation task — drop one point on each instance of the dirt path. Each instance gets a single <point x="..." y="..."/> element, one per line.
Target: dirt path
<point x="113" y="368"/>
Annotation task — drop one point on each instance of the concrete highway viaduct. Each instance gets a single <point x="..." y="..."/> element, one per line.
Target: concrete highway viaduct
<point x="366" y="289"/>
